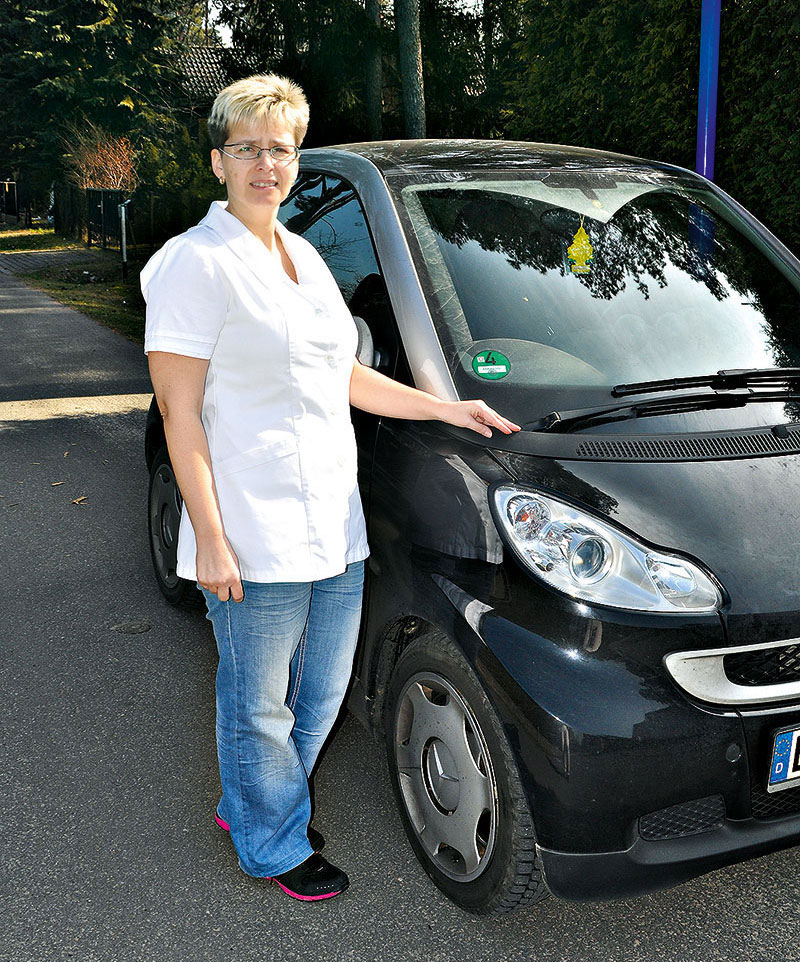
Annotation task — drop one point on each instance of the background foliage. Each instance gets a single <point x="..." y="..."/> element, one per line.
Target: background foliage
<point x="624" y="77"/>
<point x="78" y="65"/>
<point x="320" y="43"/>
<point x="758" y="156"/>
<point x="599" y="73"/>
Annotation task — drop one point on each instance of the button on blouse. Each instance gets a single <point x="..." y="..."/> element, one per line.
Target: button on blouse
<point x="276" y="407"/>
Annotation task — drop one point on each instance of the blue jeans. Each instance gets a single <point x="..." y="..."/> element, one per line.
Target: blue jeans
<point x="285" y="657"/>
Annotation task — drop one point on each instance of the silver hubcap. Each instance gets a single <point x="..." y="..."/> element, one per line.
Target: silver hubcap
<point x="445" y="776"/>
<point x="165" y="517"/>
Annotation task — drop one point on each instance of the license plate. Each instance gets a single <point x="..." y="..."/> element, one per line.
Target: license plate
<point x="784" y="770"/>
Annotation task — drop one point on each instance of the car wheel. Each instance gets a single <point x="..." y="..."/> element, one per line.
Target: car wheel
<point x="456" y="782"/>
<point x="164" y="505"/>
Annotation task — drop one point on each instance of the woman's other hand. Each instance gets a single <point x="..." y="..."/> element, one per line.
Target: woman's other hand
<point x="475" y="415"/>
<point x="218" y="570"/>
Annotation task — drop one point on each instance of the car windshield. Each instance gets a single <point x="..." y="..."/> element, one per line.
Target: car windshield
<point x="568" y="283"/>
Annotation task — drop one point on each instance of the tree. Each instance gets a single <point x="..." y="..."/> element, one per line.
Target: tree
<point x="410" y="60"/>
<point x="97" y="159"/>
<point x="625" y="77"/>
<point x="110" y="62"/>
<point x="374" y="70"/>
<point x="758" y="120"/>
<point x="321" y="44"/>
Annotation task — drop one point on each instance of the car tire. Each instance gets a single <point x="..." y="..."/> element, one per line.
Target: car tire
<point x="164" y="504"/>
<point x="456" y="782"/>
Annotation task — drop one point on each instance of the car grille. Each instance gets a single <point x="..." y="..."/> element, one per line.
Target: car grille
<point x="712" y="447"/>
<point x="689" y="818"/>
<point x="766" y="804"/>
<point x="766" y="666"/>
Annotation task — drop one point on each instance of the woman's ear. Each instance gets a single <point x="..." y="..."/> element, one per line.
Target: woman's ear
<point x="216" y="165"/>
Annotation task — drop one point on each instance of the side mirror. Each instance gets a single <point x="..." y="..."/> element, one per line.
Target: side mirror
<point x="366" y="349"/>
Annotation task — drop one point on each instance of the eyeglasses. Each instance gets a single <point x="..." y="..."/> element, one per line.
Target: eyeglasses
<point x="280" y="153"/>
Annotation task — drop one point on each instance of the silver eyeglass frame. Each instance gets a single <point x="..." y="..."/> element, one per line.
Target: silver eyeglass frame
<point x="261" y="150"/>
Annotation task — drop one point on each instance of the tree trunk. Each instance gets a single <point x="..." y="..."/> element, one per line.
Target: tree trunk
<point x="374" y="72"/>
<point x="407" y="16"/>
<point x="489" y="17"/>
<point x="288" y="16"/>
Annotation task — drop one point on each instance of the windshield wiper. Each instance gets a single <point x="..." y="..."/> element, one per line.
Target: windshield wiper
<point x="651" y="407"/>
<point x="722" y="380"/>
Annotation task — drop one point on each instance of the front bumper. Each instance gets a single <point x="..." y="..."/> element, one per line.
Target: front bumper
<point x="634" y="785"/>
<point x="651" y="865"/>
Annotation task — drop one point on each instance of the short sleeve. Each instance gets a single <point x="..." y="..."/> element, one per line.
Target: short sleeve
<point x="186" y="296"/>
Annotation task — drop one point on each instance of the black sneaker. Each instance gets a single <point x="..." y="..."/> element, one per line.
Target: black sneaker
<point x="313" y="880"/>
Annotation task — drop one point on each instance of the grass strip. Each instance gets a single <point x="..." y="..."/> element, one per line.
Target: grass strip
<point x="90" y="281"/>
<point x="94" y="286"/>
<point x="14" y="238"/>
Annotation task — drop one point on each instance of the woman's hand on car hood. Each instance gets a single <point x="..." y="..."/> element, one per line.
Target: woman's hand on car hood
<point x="477" y="416"/>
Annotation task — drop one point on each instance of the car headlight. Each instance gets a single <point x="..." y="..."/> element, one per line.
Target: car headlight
<point x="592" y="560"/>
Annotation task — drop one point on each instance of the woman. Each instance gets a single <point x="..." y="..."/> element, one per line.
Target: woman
<point x="251" y="351"/>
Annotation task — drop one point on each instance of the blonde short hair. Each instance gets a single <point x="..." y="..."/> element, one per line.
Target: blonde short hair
<point x="261" y="98"/>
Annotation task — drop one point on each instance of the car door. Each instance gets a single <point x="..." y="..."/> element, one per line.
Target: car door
<point x="326" y="210"/>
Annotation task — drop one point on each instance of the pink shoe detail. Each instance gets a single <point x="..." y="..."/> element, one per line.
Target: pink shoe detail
<point x="221" y="822"/>
<point x="306" y="898"/>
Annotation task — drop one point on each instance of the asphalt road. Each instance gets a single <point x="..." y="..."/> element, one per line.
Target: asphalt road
<point x="107" y="733"/>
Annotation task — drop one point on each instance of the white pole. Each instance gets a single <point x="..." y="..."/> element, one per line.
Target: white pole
<point x="123" y="237"/>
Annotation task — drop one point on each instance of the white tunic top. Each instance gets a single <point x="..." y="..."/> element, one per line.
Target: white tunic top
<point x="276" y="406"/>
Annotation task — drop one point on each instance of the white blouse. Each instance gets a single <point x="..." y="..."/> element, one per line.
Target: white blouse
<point x="276" y="408"/>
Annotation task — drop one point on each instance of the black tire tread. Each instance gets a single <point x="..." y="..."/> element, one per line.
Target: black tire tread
<point x="523" y="883"/>
<point x="528" y="886"/>
<point x="187" y="595"/>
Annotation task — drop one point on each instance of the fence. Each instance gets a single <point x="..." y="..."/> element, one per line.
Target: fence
<point x="157" y="216"/>
<point x="69" y="210"/>
<point x="9" y="201"/>
<point x="153" y="217"/>
<point x="102" y="217"/>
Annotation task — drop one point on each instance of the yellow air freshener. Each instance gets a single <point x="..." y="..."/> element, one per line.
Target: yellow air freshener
<point x="580" y="252"/>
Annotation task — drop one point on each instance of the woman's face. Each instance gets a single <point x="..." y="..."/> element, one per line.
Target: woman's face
<point x="256" y="187"/>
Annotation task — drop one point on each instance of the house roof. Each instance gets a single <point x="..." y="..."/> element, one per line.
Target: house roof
<point x="206" y="70"/>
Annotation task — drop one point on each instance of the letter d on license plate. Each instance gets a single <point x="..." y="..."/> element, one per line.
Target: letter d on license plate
<point x="784" y="771"/>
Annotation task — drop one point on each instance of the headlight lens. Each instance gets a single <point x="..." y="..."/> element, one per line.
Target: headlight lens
<point x="592" y="560"/>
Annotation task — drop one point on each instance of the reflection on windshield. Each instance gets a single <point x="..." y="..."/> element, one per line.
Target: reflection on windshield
<point x="599" y="279"/>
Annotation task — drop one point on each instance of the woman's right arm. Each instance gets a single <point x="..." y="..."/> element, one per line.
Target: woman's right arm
<point x="179" y="383"/>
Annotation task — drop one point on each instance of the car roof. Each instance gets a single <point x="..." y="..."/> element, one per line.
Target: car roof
<point x="418" y="156"/>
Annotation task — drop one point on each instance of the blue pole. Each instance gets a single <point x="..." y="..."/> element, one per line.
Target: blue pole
<point x="707" y="96"/>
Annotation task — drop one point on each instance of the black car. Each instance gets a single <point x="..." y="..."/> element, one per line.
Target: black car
<point x="581" y="643"/>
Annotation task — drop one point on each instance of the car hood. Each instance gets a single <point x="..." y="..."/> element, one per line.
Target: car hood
<point x="740" y="518"/>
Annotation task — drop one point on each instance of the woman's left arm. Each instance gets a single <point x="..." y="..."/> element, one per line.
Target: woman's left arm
<point x="378" y="394"/>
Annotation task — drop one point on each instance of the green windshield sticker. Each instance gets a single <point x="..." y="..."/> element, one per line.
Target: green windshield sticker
<point x="491" y="365"/>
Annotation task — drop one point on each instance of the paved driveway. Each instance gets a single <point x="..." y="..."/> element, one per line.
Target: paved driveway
<point x="108" y="767"/>
<point x="18" y="262"/>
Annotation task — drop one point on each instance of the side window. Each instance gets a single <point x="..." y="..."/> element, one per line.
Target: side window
<point x="327" y="212"/>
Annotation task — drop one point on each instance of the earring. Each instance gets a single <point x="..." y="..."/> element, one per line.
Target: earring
<point x="222" y="180"/>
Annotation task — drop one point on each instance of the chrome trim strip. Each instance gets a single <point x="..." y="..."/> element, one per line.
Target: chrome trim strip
<point x="702" y="675"/>
<point x="423" y="350"/>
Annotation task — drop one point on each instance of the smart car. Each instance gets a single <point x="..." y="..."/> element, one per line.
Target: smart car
<point x="580" y="643"/>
